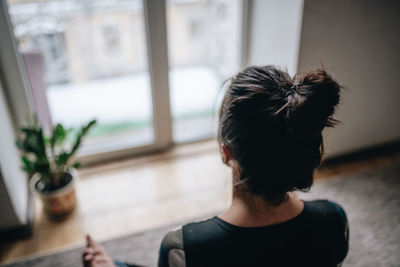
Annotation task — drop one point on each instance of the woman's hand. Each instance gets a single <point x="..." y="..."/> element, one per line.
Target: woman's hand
<point x="95" y="255"/>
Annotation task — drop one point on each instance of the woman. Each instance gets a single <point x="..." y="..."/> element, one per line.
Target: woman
<point x="270" y="134"/>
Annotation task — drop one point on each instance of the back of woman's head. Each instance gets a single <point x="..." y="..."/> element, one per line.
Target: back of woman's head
<point x="272" y="125"/>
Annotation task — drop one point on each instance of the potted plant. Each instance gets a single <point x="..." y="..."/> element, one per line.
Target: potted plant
<point x="48" y="161"/>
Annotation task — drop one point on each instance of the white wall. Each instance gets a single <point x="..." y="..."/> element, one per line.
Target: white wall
<point x="13" y="181"/>
<point x="275" y="27"/>
<point x="358" y="41"/>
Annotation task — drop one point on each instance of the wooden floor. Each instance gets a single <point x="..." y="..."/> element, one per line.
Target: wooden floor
<point x="147" y="192"/>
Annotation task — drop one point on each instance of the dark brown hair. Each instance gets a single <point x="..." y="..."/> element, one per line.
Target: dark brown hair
<point x="272" y="124"/>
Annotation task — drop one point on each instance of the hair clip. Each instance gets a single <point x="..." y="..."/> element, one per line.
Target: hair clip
<point x="292" y="89"/>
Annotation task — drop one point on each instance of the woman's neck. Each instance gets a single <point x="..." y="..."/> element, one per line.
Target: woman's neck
<point x="248" y="210"/>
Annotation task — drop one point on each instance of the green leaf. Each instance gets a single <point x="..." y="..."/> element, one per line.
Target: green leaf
<point x="58" y="135"/>
<point x="20" y="144"/>
<point x="43" y="167"/>
<point x="84" y="130"/>
<point x="32" y="142"/>
<point x="62" y="159"/>
<point x="76" y="165"/>
<point x="28" y="165"/>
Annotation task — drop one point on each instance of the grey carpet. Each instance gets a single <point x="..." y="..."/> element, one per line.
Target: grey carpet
<point x="371" y="200"/>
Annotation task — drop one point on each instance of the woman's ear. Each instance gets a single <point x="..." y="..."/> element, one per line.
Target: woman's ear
<point x="226" y="154"/>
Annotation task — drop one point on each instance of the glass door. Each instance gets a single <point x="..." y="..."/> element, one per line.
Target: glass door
<point x="88" y="60"/>
<point x="149" y="71"/>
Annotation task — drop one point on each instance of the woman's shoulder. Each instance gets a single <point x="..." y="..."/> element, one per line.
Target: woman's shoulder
<point x="173" y="239"/>
<point x="326" y="209"/>
<point x="171" y="250"/>
<point x="328" y="214"/>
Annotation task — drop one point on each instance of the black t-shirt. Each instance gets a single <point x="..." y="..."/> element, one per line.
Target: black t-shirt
<point x="318" y="236"/>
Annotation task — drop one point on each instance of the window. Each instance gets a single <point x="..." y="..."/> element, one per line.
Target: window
<point x="96" y="65"/>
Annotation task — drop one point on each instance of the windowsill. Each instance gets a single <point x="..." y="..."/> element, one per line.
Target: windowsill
<point x="176" y="151"/>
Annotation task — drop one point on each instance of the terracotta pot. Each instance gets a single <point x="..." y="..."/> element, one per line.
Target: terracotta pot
<point x="60" y="202"/>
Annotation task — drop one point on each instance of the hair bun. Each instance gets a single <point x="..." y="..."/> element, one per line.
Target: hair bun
<point x="319" y="94"/>
<point x="272" y="124"/>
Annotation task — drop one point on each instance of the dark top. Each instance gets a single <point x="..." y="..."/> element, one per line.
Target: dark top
<point x="318" y="236"/>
